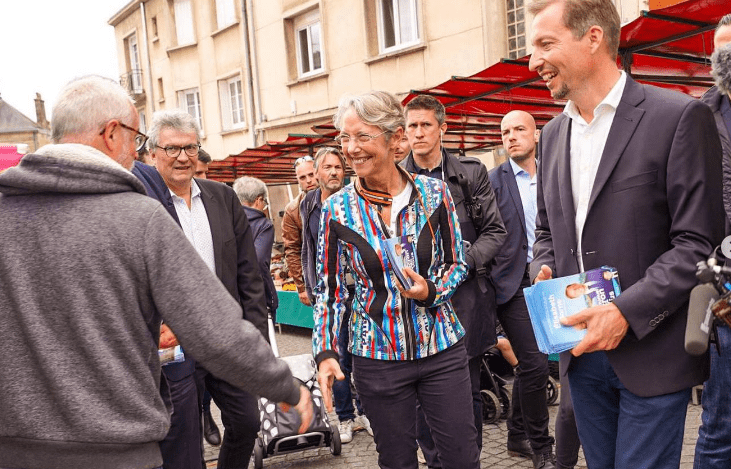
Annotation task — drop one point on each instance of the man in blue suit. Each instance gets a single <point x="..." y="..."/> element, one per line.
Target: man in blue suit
<point x="514" y="183"/>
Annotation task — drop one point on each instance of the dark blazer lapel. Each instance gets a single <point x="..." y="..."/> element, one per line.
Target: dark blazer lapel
<point x="564" y="179"/>
<point x="512" y="184"/>
<point x="169" y="206"/>
<point x="626" y="120"/>
<point x="216" y="219"/>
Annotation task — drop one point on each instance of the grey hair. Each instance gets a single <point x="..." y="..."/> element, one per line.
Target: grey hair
<point x="721" y="68"/>
<point x="320" y="155"/>
<point x="86" y="104"/>
<point x="724" y="21"/>
<point x="171" y="119"/>
<point x="377" y="108"/>
<point x="248" y="189"/>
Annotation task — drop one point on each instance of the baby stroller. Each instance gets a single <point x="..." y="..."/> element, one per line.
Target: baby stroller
<point x="278" y="433"/>
<point x="494" y="374"/>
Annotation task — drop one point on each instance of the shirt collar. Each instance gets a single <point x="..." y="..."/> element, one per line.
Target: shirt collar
<point x="611" y="100"/>
<point x="516" y="168"/>
<point x="194" y="191"/>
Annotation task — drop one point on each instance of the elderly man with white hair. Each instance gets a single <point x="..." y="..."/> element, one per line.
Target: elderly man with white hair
<point x="254" y="197"/>
<point x="90" y="266"/>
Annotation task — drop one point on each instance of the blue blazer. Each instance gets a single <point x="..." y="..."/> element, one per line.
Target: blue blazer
<point x="510" y="263"/>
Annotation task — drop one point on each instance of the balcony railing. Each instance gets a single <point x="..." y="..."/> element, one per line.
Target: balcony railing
<point x="132" y="82"/>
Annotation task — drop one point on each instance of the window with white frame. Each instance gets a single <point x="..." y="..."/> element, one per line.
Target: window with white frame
<point x="183" y="22"/>
<point x="308" y="43"/>
<point x="143" y="122"/>
<point x="190" y="101"/>
<point x="232" y="103"/>
<point x="516" y="28"/>
<point x="398" y="24"/>
<point x="225" y="13"/>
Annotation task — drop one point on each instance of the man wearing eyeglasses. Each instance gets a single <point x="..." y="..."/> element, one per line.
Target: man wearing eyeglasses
<point x="214" y="221"/>
<point x="304" y="169"/>
<point x="89" y="267"/>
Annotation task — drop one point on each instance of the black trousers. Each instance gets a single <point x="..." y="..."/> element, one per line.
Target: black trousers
<point x="181" y="448"/>
<point x="423" y="433"/>
<point x="567" y="435"/>
<point x="530" y="409"/>
<point x="240" y="418"/>
<point x="389" y="391"/>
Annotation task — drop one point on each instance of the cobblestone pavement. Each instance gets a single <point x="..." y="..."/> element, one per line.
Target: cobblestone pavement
<point x="361" y="452"/>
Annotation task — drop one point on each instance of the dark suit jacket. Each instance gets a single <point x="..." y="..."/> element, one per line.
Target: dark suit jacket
<point x="233" y="249"/>
<point x="655" y="210"/>
<point x="474" y="300"/>
<point x="510" y="262"/>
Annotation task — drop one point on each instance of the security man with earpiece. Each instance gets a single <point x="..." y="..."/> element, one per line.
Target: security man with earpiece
<point x="483" y="234"/>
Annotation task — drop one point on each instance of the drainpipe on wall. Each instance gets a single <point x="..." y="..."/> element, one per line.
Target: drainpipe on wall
<point x="249" y="73"/>
<point x="150" y="90"/>
<point x="253" y="68"/>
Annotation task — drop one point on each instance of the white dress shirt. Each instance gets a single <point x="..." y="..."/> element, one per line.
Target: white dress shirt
<point x="194" y="221"/>
<point x="587" y="147"/>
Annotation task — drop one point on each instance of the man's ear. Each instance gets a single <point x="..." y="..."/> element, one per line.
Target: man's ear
<point x="596" y="37"/>
<point x="112" y="138"/>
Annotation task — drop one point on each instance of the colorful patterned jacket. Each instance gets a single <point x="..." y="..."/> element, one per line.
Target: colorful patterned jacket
<point x="384" y="325"/>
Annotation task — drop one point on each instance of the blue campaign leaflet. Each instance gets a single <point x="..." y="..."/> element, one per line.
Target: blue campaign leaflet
<point x="551" y="300"/>
<point x="400" y="253"/>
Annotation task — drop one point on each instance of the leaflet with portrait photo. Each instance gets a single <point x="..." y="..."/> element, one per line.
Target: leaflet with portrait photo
<point x="551" y="300"/>
<point x="401" y="253"/>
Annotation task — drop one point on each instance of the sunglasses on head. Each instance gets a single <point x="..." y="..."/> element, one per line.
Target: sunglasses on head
<point x="302" y="159"/>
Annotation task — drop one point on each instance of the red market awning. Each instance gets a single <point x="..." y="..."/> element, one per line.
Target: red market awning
<point x="272" y="162"/>
<point x="669" y="47"/>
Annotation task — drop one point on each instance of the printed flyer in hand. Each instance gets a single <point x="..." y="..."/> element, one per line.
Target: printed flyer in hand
<point x="551" y="300"/>
<point x="400" y="252"/>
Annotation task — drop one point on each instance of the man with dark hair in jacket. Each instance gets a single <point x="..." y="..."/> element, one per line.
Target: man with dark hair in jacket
<point x="713" y="449"/>
<point x="482" y="230"/>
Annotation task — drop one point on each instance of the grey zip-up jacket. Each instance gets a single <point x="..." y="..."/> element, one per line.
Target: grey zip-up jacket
<point x="89" y="266"/>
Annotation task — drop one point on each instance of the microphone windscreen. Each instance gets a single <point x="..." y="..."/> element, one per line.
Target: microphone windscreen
<point x="726" y="247"/>
<point x="700" y="318"/>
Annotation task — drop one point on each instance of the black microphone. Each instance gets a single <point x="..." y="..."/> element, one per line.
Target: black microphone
<point x="700" y="318"/>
